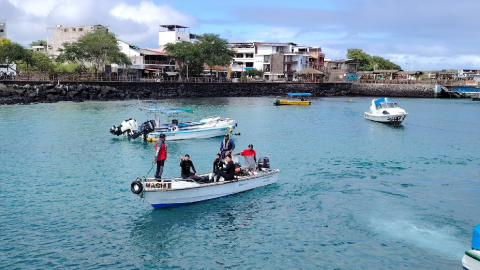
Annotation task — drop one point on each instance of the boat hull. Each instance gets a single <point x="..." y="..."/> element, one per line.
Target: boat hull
<point x="168" y="197"/>
<point x="291" y="102"/>
<point x="393" y="119"/>
<point x="199" y="133"/>
<point x="471" y="260"/>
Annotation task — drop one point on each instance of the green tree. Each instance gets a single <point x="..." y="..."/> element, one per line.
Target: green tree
<point x="11" y="52"/>
<point x="253" y="72"/>
<point x="215" y="50"/>
<point x="186" y="54"/>
<point x="364" y="59"/>
<point x="367" y="62"/>
<point x="382" y="63"/>
<point x="98" y="49"/>
<point x="39" y="43"/>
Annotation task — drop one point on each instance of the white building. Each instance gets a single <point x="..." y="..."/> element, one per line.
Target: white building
<point x="278" y="61"/>
<point x="58" y="35"/>
<point x="173" y="34"/>
<point x="3" y="28"/>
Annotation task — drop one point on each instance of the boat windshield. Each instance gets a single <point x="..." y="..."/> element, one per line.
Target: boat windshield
<point x="385" y="105"/>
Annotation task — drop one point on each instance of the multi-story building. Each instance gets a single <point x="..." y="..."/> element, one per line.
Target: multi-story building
<point x="278" y="61"/>
<point x="3" y="28"/>
<point x="173" y="34"/>
<point x="58" y="35"/>
<point x="147" y="60"/>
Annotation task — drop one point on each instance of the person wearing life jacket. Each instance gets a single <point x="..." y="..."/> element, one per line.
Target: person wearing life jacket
<point x="227" y="146"/>
<point x="160" y="156"/>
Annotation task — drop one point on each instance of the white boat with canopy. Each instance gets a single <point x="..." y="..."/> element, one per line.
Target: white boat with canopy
<point x="178" y="191"/>
<point x="384" y="110"/>
<point x="208" y="127"/>
<point x="173" y="129"/>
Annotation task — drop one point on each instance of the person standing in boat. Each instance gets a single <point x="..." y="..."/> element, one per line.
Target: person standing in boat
<point x="160" y="155"/>
<point x="186" y="164"/>
<point x="250" y="157"/>
<point x="228" y="173"/>
<point x="227" y="146"/>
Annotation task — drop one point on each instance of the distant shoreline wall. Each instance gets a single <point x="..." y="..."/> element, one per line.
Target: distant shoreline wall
<point x="14" y="92"/>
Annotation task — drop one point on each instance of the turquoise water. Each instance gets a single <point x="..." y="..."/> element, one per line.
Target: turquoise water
<point x="351" y="193"/>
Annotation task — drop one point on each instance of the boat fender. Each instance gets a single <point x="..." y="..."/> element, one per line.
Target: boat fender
<point x="230" y="128"/>
<point x="136" y="187"/>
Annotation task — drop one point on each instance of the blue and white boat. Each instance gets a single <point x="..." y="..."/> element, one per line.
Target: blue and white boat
<point x="471" y="259"/>
<point x="174" y="130"/>
<point x="384" y="110"/>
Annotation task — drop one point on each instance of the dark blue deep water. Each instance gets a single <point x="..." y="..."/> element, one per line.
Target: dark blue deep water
<point x="352" y="194"/>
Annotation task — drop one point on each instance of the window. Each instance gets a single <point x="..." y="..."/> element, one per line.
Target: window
<point x="249" y="64"/>
<point x="1" y="30"/>
<point x="65" y="30"/>
<point x="80" y="29"/>
<point x="178" y="38"/>
<point x="239" y="55"/>
<point x="249" y="55"/>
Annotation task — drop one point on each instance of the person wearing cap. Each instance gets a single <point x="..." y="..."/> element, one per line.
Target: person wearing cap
<point x="160" y="155"/>
<point x="186" y="164"/>
<point x="228" y="173"/>
<point x="249" y="154"/>
<point x="227" y="146"/>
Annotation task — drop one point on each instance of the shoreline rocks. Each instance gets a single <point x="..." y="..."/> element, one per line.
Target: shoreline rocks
<point x="22" y="92"/>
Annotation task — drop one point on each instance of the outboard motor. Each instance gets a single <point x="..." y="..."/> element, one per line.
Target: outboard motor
<point x="145" y="128"/>
<point x="263" y="163"/>
<point x="126" y="126"/>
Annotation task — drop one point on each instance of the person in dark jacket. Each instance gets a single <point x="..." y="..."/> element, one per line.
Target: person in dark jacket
<point x="217" y="164"/>
<point x="228" y="173"/>
<point x="227" y="146"/>
<point x="186" y="164"/>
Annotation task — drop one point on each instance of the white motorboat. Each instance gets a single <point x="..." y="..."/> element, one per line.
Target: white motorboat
<point x="384" y="110"/>
<point x="178" y="191"/>
<point x="205" y="128"/>
<point x="471" y="259"/>
<point x="150" y="130"/>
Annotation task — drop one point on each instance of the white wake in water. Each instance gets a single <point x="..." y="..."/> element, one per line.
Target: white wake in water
<point x="422" y="235"/>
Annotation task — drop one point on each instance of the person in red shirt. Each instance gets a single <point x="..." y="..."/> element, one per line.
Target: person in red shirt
<point x="249" y="154"/>
<point x="160" y="156"/>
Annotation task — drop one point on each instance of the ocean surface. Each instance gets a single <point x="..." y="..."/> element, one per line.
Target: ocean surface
<point x="352" y="194"/>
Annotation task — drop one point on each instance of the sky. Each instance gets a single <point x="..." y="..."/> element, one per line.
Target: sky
<point x="415" y="34"/>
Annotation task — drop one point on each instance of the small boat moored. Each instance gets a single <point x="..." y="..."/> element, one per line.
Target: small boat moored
<point x="384" y="110"/>
<point x="471" y="259"/>
<point x="302" y="100"/>
<point x="178" y="191"/>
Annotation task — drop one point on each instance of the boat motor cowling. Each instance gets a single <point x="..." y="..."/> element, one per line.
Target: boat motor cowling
<point x="263" y="163"/>
<point x="145" y="128"/>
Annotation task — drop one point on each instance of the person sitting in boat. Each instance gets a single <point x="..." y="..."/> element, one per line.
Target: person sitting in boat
<point x="186" y="164"/>
<point x="228" y="172"/>
<point x="160" y="155"/>
<point x="250" y="157"/>
<point x="217" y="164"/>
<point x="227" y="146"/>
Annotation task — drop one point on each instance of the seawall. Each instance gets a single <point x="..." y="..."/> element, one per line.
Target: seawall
<point x="15" y="92"/>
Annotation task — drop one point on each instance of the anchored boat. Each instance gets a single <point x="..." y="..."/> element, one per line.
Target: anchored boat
<point x="384" y="110"/>
<point x="471" y="259"/>
<point x="302" y="100"/>
<point x="174" y="130"/>
<point x="179" y="191"/>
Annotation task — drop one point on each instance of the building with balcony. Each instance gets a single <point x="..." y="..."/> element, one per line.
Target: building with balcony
<point x="278" y="61"/>
<point x="3" y="28"/>
<point x="148" y="61"/>
<point x="58" y="35"/>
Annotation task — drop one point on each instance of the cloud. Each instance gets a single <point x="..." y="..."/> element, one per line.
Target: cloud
<point x="27" y="20"/>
